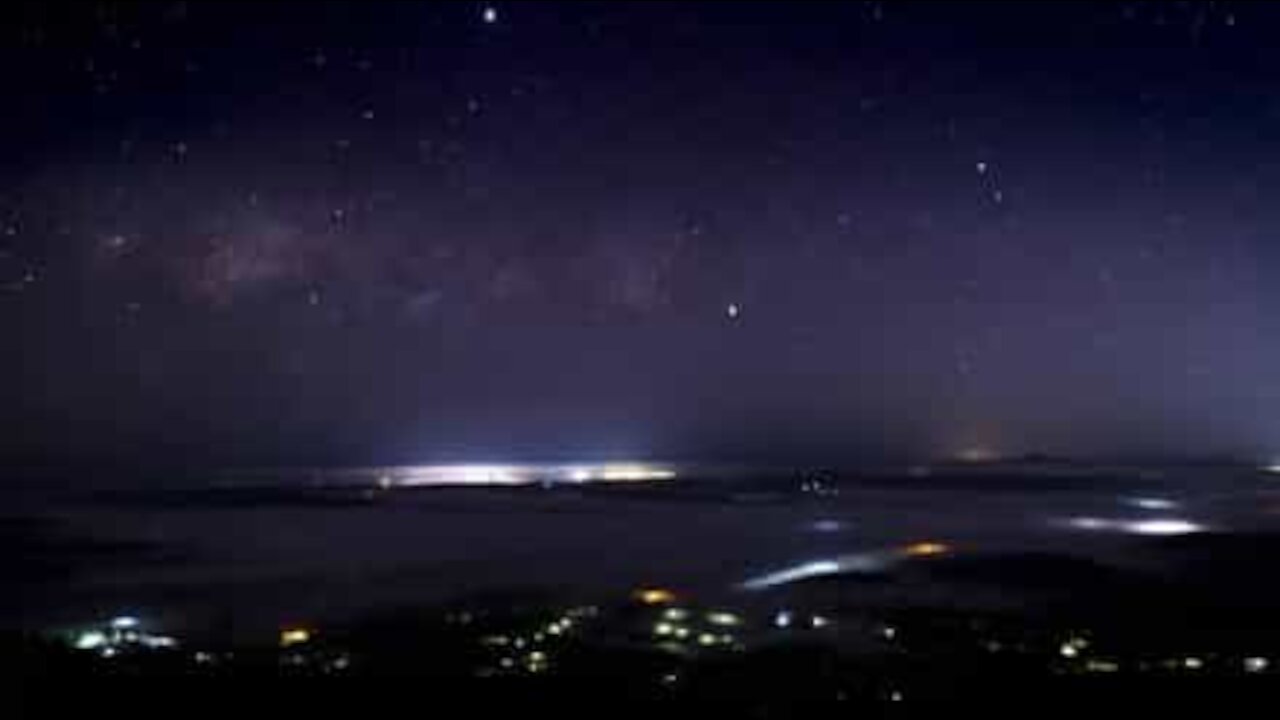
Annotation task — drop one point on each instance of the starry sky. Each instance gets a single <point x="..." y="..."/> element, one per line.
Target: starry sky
<point x="784" y="232"/>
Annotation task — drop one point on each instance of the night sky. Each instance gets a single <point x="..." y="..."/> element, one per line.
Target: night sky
<point x="780" y="232"/>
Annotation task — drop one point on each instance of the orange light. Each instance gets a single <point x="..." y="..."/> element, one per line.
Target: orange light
<point x="926" y="549"/>
<point x="655" y="596"/>
<point x="294" y="636"/>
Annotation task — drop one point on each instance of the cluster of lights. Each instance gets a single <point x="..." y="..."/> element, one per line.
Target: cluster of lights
<point x="671" y="628"/>
<point x="521" y="653"/>
<point x="469" y="475"/>
<point x="121" y="633"/>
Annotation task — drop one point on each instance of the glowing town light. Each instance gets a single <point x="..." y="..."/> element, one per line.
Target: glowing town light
<point x="124" y="622"/>
<point x="655" y="596"/>
<point x="444" y="475"/>
<point x="634" y="473"/>
<point x="1090" y="523"/>
<point x="1272" y="468"/>
<point x="580" y="475"/>
<point x="1152" y="503"/>
<point x="1170" y="526"/>
<point x="485" y="475"/>
<point x="1068" y="650"/>
<point x="159" y="641"/>
<point x="706" y="639"/>
<point x="675" y="613"/>
<point x="818" y="622"/>
<point x="294" y="636"/>
<point x="926" y="549"/>
<point x="1192" y="663"/>
<point x="889" y="632"/>
<point x="733" y="311"/>
<point x="489" y="15"/>
<point x="827" y="526"/>
<point x="663" y="628"/>
<point x="782" y="619"/>
<point x="1255" y="664"/>
<point x="726" y="619"/>
<point x="682" y="633"/>
<point x="90" y="640"/>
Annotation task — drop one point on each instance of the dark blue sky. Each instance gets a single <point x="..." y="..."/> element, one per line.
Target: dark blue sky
<point x="377" y="232"/>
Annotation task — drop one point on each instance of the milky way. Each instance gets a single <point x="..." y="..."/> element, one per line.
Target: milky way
<point x="803" y="232"/>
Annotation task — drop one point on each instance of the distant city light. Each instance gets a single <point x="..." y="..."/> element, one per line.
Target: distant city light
<point x="1090" y="523"/>
<point x="1156" y="526"/>
<point x="819" y="622"/>
<point x="675" y="613"/>
<point x="485" y="474"/>
<point x="723" y="618"/>
<point x="706" y="639"/>
<point x="655" y="596"/>
<point x="926" y="549"/>
<point x="158" y="641"/>
<point x="633" y="473"/>
<point x="90" y="640"/>
<point x="663" y="628"/>
<point x="1152" y="503"/>
<point x="828" y="526"/>
<point x="1163" y="527"/>
<point x="1255" y="664"/>
<point x="1192" y="663"/>
<point x="294" y="636"/>
<point x="124" y="621"/>
<point x="489" y="15"/>
<point x="782" y="619"/>
<point x="1068" y="650"/>
<point x="733" y="310"/>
